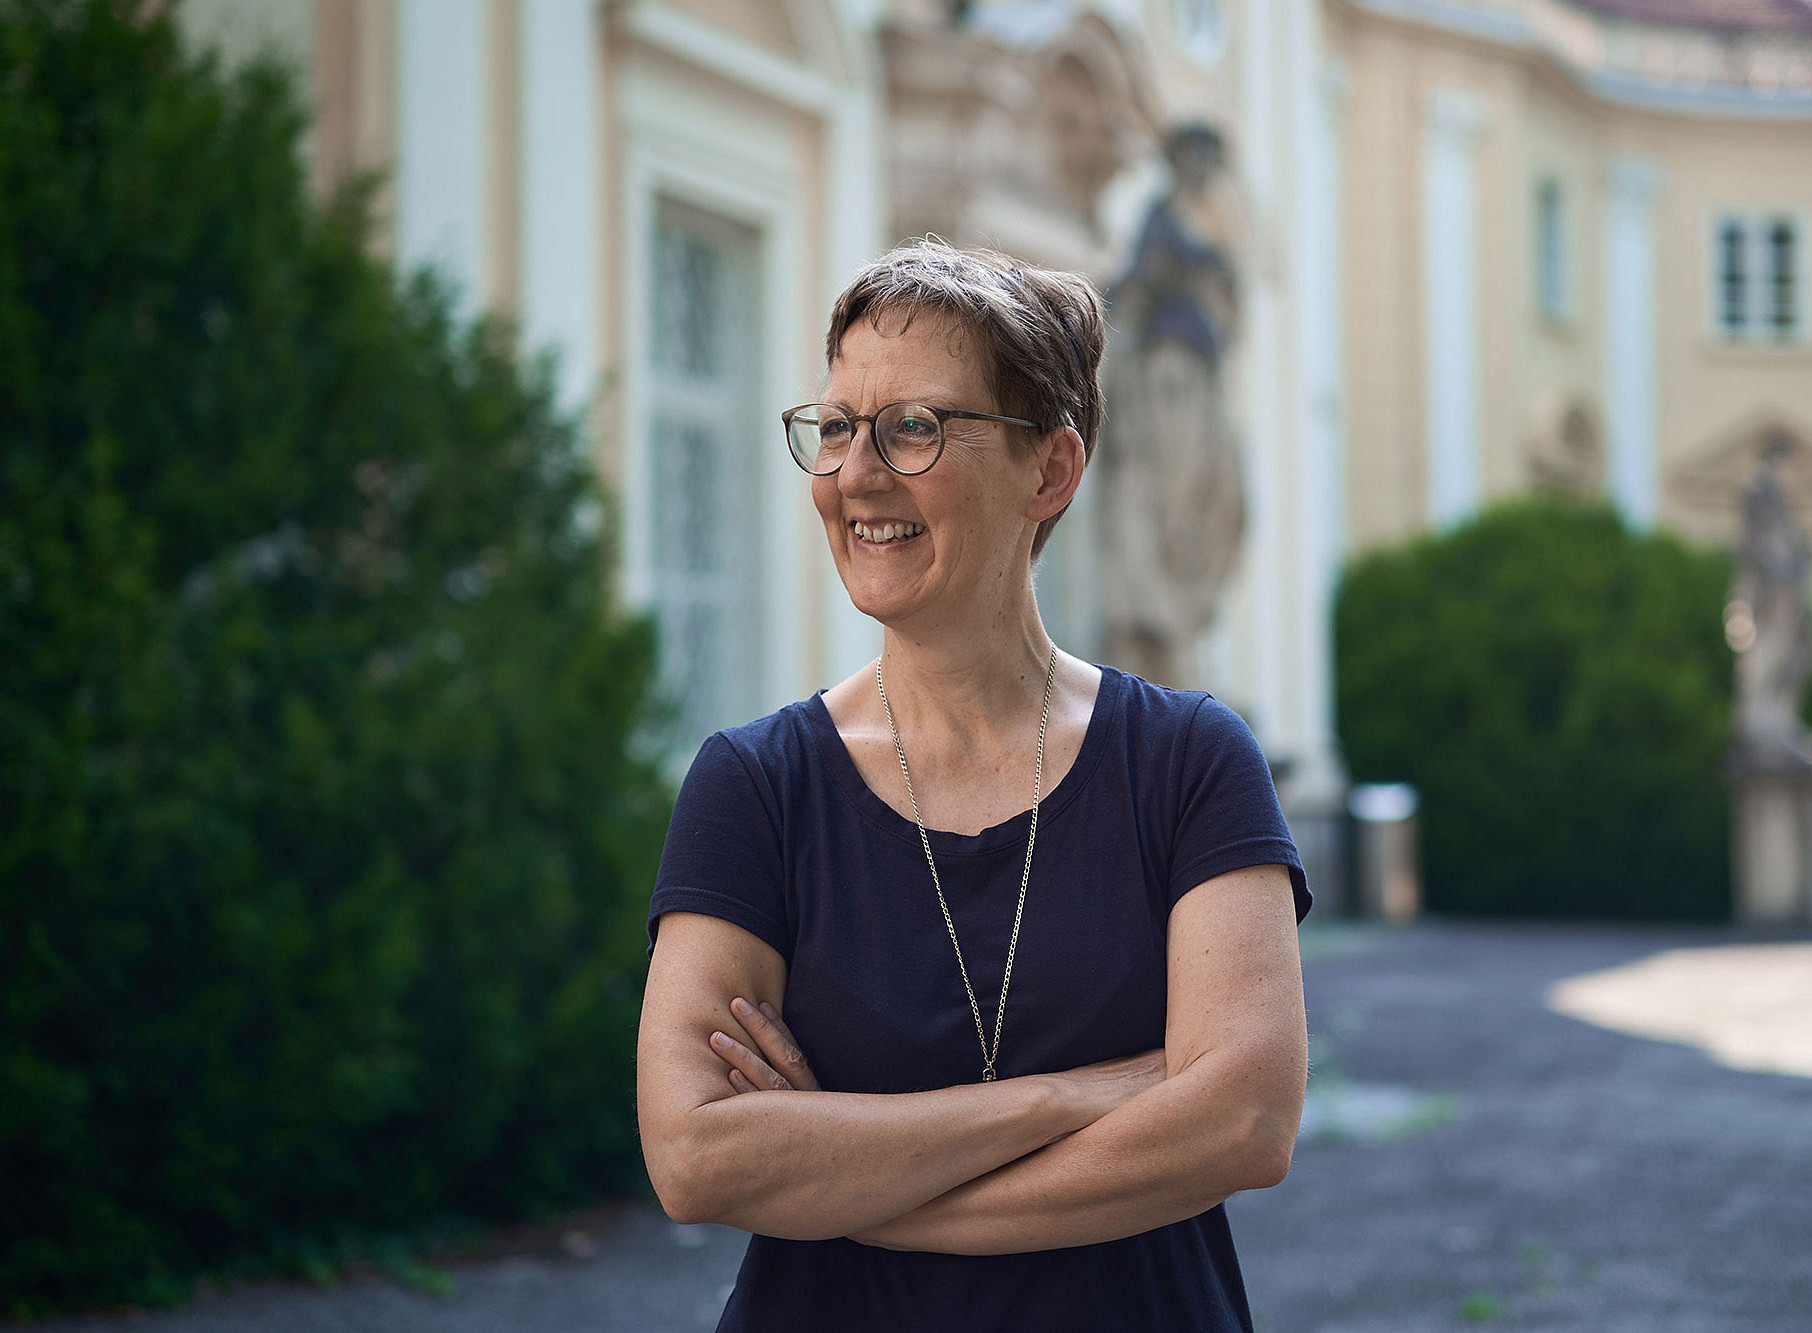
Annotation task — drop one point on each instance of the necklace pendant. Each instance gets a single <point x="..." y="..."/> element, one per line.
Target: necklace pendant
<point x="1025" y="875"/>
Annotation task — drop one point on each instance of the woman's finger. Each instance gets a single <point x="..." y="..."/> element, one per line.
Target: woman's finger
<point x="740" y="1083"/>
<point x="775" y="1041"/>
<point x="752" y="1067"/>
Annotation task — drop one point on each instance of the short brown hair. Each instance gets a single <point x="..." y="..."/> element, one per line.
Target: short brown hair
<point x="1043" y="331"/>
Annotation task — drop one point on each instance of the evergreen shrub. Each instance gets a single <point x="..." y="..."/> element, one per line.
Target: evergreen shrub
<point x="325" y="828"/>
<point x="1558" y="688"/>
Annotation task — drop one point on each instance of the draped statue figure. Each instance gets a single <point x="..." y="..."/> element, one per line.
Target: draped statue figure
<point x="1172" y="507"/>
<point x="1770" y="627"/>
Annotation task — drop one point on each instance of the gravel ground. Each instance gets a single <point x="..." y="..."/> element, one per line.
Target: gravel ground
<point x="1556" y="1175"/>
<point x="1469" y="1158"/>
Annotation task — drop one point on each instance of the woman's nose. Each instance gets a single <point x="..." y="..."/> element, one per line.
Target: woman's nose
<point x="862" y="468"/>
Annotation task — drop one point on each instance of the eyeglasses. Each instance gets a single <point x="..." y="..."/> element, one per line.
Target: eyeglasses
<point x="908" y="436"/>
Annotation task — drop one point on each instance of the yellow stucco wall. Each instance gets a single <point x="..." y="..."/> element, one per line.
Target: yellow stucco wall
<point x="1538" y="121"/>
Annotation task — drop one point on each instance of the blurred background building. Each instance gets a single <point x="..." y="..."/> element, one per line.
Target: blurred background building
<point x="1487" y="247"/>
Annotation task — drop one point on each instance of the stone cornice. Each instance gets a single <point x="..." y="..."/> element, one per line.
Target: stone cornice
<point x="1670" y="69"/>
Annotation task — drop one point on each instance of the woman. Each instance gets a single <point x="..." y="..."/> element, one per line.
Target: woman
<point x="974" y="985"/>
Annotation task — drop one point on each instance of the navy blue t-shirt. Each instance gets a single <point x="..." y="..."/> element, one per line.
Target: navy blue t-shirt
<point x="776" y="831"/>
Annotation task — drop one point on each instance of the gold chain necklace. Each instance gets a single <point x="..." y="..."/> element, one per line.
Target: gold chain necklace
<point x="989" y="1053"/>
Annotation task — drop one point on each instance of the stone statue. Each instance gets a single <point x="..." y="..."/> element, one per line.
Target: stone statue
<point x="1770" y="628"/>
<point x="1172" y="508"/>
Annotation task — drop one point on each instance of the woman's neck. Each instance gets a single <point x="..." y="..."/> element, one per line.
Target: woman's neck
<point x="966" y="681"/>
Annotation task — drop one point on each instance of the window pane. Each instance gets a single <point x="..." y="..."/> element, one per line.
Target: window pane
<point x="1783" y="277"/>
<point x="703" y="434"/>
<point x="1550" y="259"/>
<point x="1733" y="278"/>
<point x="691" y="283"/>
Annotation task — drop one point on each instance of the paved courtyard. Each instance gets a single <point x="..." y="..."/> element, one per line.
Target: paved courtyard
<point x="1472" y="1156"/>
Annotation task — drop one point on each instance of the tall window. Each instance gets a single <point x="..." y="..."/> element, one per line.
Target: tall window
<point x="1760" y="295"/>
<point x="704" y="431"/>
<point x="1783" y="278"/>
<point x="1550" y="250"/>
<point x="1733" y="277"/>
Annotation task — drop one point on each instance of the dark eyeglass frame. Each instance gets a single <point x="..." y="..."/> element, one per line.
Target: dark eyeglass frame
<point x="855" y="419"/>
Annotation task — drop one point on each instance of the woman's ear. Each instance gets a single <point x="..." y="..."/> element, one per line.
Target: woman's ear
<point x="1063" y="462"/>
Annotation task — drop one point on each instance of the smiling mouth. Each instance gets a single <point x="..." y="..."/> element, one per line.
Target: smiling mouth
<point x="887" y="534"/>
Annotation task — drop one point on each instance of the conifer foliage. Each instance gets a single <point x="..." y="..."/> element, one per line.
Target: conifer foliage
<point x="325" y="824"/>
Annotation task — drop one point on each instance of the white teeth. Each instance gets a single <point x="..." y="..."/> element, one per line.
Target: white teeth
<point x="887" y="532"/>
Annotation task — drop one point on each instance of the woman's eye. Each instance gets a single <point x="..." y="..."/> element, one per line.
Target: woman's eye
<point x="834" y="432"/>
<point x="916" y="428"/>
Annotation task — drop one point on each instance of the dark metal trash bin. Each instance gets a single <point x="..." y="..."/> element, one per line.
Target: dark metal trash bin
<point x="1387" y="865"/>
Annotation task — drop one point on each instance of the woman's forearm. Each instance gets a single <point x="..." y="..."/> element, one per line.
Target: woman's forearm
<point x="1172" y="1152"/>
<point x="814" y="1165"/>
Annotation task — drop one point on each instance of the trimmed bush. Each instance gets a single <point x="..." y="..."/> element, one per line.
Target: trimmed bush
<point x="1559" y="690"/>
<point x="327" y="830"/>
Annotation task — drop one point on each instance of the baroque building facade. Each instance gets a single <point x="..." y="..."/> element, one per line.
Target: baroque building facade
<point x="1488" y="246"/>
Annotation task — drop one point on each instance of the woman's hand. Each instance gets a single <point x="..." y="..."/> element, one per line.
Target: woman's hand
<point x="777" y="1065"/>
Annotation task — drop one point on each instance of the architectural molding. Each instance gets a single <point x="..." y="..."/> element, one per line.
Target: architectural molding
<point x="1043" y="129"/>
<point x="1466" y="20"/>
<point x="694" y="42"/>
<point x="1552" y="37"/>
<point x="1616" y="88"/>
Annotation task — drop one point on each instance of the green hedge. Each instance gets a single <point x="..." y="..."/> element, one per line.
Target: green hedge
<point x="328" y="822"/>
<point x="1559" y="690"/>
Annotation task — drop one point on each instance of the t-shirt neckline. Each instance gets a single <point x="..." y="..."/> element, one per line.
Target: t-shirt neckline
<point x="849" y="780"/>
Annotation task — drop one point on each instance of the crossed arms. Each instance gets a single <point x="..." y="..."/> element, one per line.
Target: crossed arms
<point x="737" y="1132"/>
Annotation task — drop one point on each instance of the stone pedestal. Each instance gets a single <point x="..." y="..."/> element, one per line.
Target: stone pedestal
<point x="1771" y="851"/>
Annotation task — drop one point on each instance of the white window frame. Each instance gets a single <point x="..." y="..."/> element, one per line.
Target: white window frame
<point x="1758" y="328"/>
<point x="714" y="409"/>
<point x="709" y="158"/>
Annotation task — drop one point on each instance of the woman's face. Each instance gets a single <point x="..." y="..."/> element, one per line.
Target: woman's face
<point x="972" y="503"/>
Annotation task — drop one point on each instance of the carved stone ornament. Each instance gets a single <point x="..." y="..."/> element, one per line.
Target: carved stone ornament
<point x="1172" y="504"/>
<point x="1566" y="451"/>
<point x="1769" y="627"/>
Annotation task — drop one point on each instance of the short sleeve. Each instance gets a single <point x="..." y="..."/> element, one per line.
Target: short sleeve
<point x="1227" y="812"/>
<point x="723" y="854"/>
